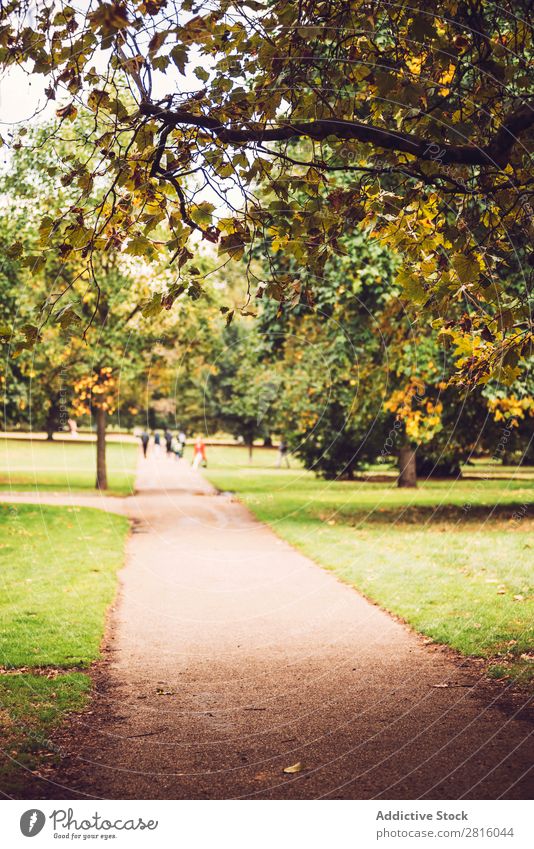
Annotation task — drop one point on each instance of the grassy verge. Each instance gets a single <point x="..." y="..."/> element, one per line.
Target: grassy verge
<point x="452" y="558"/>
<point x="58" y="577"/>
<point x="31" y="706"/>
<point x="53" y="466"/>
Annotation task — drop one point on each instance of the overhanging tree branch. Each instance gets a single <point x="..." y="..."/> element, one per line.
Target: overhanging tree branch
<point x="497" y="151"/>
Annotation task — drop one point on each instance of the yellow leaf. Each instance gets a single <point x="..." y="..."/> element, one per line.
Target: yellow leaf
<point x="291" y="770"/>
<point x="415" y="63"/>
<point x="467" y="268"/>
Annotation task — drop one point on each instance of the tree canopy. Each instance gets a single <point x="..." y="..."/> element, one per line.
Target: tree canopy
<point x="278" y="126"/>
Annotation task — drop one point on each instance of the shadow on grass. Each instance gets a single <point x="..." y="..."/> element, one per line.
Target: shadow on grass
<point x="512" y="515"/>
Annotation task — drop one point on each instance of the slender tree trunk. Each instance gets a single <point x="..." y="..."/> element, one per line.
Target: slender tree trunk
<point x="407" y="467"/>
<point x="250" y="448"/>
<point x="51" y="421"/>
<point x="101" y="471"/>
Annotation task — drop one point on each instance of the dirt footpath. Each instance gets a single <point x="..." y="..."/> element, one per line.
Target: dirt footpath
<point x="230" y="656"/>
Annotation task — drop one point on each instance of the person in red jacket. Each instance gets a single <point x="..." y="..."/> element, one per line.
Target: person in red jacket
<point x="199" y="453"/>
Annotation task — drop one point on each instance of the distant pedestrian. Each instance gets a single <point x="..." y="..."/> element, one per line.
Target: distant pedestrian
<point x="176" y="448"/>
<point x="168" y="442"/>
<point x="144" y="441"/>
<point x="157" y="442"/>
<point x="182" y="439"/>
<point x="199" y="453"/>
<point x="282" y="454"/>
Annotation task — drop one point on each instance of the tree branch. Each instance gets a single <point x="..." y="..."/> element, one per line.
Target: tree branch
<point x="505" y="138"/>
<point x="432" y="150"/>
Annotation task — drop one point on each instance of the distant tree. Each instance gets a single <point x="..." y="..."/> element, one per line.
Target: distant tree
<point x="241" y="392"/>
<point x="93" y="355"/>
<point x="109" y="368"/>
<point x="365" y="379"/>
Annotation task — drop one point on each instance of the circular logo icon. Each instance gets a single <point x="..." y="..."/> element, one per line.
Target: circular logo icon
<point x="31" y="822"/>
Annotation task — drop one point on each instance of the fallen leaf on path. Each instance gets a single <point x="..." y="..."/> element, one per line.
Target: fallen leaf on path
<point x="440" y="686"/>
<point x="291" y="770"/>
<point x="165" y="693"/>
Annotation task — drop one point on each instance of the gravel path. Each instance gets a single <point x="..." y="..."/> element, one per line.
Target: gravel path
<point x="230" y="656"/>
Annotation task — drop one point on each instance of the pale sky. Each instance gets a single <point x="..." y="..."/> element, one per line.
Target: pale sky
<point x="20" y="96"/>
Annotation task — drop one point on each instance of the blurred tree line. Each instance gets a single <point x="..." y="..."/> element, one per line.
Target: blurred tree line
<point x="340" y="366"/>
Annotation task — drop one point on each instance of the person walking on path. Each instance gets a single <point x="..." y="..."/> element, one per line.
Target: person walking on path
<point x="144" y="441"/>
<point x="168" y="442"/>
<point x="282" y="454"/>
<point x="177" y="448"/>
<point x="157" y="442"/>
<point x="199" y="453"/>
<point x="182" y="439"/>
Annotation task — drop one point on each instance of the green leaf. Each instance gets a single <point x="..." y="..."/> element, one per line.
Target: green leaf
<point x="201" y="74"/>
<point x="78" y="237"/>
<point x="179" y="57"/>
<point x="45" y="229"/>
<point x="139" y="246"/>
<point x="35" y="262"/>
<point x="153" y="306"/>
<point x="466" y="267"/>
<point x="412" y="287"/>
<point x="15" y="250"/>
<point x="201" y="214"/>
<point x="67" y="317"/>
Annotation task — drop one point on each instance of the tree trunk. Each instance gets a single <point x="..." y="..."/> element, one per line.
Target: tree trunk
<point x="101" y="471"/>
<point x="51" y="421"/>
<point x="250" y="448"/>
<point x="407" y="466"/>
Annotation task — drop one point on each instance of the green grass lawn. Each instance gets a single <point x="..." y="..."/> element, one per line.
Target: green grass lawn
<point x="53" y="466"/>
<point x="452" y="558"/>
<point x="58" y="577"/>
